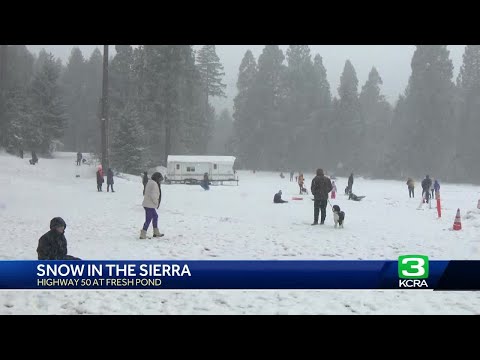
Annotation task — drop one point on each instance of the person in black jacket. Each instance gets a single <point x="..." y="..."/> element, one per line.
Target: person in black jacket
<point x="426" y="184"/>
<point x="277" y="199"/>
<point x="79" y="158"/>
<point x="110" y="179"/>
<point x="34" y="158"/>
<point x="205" y="183"/>
<point x="350" y="183"/>
<point x="53" y="244"/>
<point x="321" y="187"/>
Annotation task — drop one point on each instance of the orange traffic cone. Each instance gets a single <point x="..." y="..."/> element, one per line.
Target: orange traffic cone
<point x="457" y="225"/>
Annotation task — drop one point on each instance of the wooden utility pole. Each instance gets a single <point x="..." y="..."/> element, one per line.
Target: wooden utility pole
<point x="104" y="119"/>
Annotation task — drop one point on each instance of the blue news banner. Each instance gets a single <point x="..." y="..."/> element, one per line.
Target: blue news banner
<point x="408" y="272"/>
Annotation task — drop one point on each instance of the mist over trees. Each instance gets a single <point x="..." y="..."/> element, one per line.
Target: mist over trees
<point x="285" y="115"/>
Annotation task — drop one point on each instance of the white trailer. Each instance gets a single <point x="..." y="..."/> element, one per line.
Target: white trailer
<point x="190" y="169"/>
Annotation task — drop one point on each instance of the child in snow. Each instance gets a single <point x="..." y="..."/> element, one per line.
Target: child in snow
<point x="100" y="179"/>
<point x="301" y="181"/>
<point x="436" y="187"/>
<point x="53" y="244"/>
<point x="334" y="190"/>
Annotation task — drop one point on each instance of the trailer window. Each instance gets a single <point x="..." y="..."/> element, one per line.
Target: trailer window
<point x="190" y="169"/>
<point x="214" y="166"/>
<point x="178" y="166"/>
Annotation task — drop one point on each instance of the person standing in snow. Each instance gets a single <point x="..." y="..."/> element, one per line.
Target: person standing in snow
<point x="53" y="244"/>
<point x="321" y="186"/>
<point x="350" y="183"/>
<point x="34" y="158"/>
<point x="432" y="190"/>
<point x="334" y="190"/>
<point x="110" y="179"/>
<point x="151" y="202"/>
<point x="411" y="187"/>
<point x="79" y="158"/>
<point x="436" y="187"/>
<point x="100" y="179"/>
<point x="291" y="175"/>
<point x="205" y="183"/>
<point x="426" y="184"/>
<point x="301" y="181"/>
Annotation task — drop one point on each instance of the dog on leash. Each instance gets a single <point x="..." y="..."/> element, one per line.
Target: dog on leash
<point x="338" y="216"/>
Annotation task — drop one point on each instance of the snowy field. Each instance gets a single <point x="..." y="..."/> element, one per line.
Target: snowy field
<point x="229" y="222"/>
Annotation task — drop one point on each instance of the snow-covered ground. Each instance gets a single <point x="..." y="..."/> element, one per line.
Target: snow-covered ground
<point x="229" y="222"/>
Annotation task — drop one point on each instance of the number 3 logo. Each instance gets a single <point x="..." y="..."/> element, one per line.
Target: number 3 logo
<point x="418" y="266"/>
<point x="413" y="267"/>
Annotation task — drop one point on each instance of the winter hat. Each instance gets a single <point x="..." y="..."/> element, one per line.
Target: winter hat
<point x="56" y="222"/>
<point x="157" y="177"/>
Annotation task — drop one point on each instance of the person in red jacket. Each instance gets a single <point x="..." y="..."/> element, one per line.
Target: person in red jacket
<point x="100" y="179"/>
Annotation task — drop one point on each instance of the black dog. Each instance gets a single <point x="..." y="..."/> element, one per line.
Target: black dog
<point x="338" y="216"/>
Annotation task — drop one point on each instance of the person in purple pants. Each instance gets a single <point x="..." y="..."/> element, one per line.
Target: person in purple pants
<point x="151" y="202"/>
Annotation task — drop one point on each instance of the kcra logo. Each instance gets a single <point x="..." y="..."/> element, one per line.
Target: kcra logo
<point x="413" y="271"/>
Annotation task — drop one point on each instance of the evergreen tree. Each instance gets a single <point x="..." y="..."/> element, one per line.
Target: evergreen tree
<point x="47" y="104"/>
<point x="74" y="93"/>
<point x="348" y="128"/>
<point x="17" y="65"/>
<point x="244" y="123"/>
<point x="127" y="148"/>
<point x="376" y="112"/>
<point x="430" y="111"/>
<point x="468" y="95"/>
<point x="298" y="106"/>
<point x="22" y="132"/>
<point x="397" y="154"/>
<point x="222" y="132"/>
<point x="322" y="94"/>
<point x="211" y="71"/>
<point x="90" y="134"/>
<point x="267" y="96"/>
<point x="121" y="78"/>
<point x="322" y="115"/>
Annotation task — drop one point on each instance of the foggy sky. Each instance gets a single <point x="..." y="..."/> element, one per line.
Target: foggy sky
<point x="391" y="61"/>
